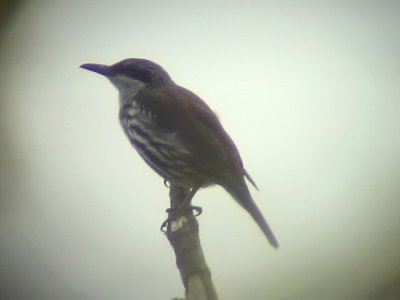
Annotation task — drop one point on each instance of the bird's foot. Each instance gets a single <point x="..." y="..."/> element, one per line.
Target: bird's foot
<point x="175" y="213"/>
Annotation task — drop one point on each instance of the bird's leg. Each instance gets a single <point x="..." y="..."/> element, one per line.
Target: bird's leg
<point x="182" y="207"/>
<point x="186" y="203"/>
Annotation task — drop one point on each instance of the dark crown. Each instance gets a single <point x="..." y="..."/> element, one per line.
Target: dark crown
<point x="141" y="69"/>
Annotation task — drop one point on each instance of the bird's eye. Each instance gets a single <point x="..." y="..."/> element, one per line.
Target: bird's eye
<point x="140" y="73"/>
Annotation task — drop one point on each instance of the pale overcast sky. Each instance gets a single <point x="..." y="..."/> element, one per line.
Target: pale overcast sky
<point x="309" y="91"/>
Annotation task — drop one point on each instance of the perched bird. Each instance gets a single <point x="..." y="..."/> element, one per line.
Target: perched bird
<point x="177" y="134"/>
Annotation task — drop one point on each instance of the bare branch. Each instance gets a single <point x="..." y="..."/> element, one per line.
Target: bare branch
<point x="183" y="235"/>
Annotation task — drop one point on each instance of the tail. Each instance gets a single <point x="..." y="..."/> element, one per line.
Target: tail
<point x="239" y="191"/>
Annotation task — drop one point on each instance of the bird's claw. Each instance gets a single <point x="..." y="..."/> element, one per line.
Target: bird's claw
<point x="197" y="209"/>
<point x="174" y="213"/>
<point x="164" y="225"/>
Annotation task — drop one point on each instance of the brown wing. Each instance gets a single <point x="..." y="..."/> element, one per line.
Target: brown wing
<point x="197" y="127"/>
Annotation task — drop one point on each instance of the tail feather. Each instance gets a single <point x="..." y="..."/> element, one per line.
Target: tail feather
<point x="247" y="175"/>
<point x="240" y="192"/>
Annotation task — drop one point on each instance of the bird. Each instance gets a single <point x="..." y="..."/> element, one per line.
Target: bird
<point x="177" y="134"/>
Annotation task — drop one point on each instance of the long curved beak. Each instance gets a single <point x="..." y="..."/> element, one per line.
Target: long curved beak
<point x="100" y="69"/>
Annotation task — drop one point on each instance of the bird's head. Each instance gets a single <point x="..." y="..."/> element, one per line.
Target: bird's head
<point x="132" y="74"/>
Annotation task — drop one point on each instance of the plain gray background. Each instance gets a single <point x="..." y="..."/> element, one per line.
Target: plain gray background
<point x="309" y="91"/>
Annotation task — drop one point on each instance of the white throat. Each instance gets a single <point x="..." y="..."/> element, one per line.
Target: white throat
<point x="127" y="87"/>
